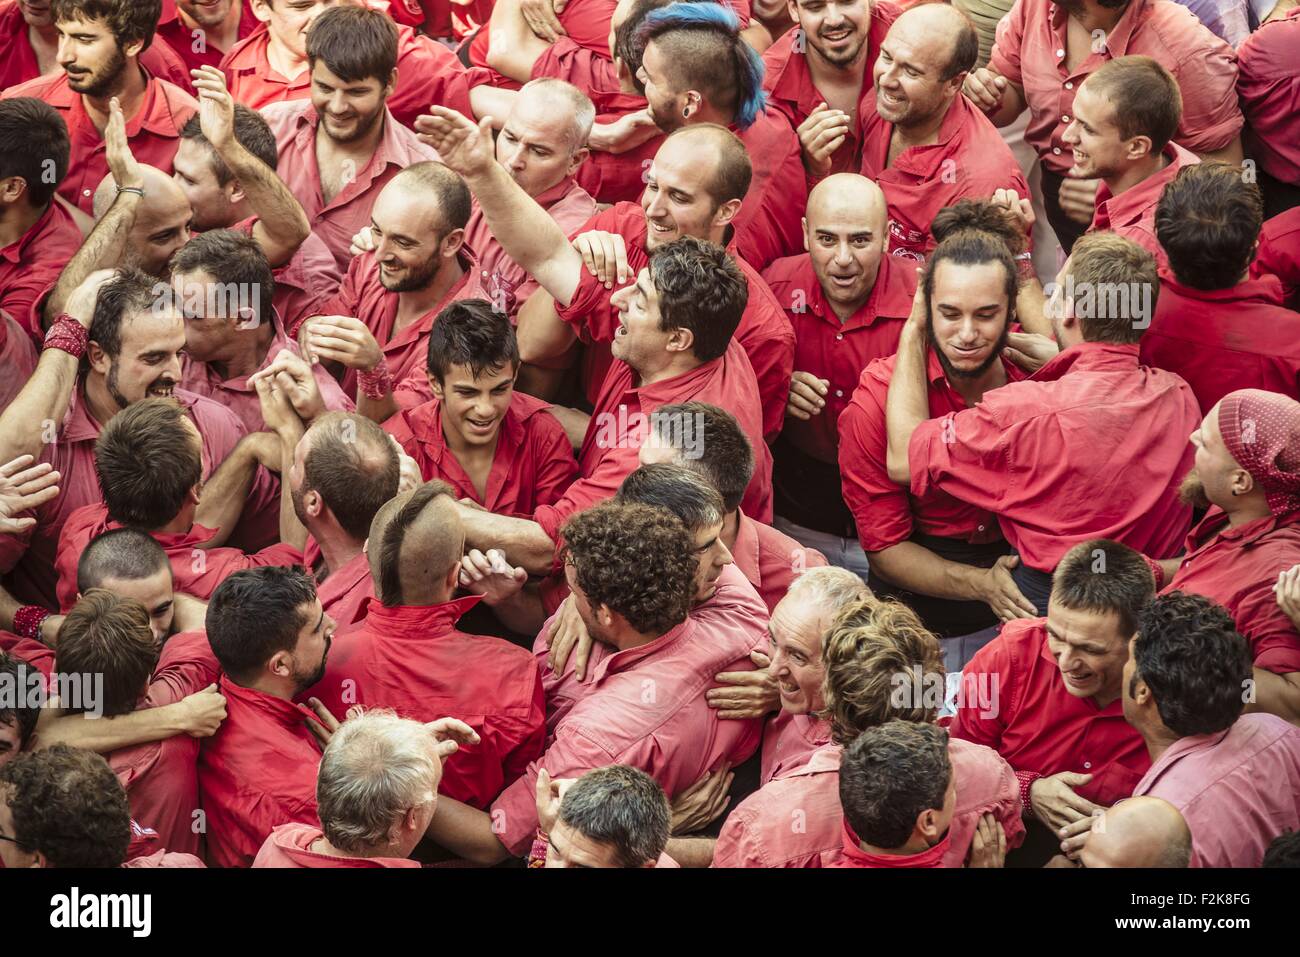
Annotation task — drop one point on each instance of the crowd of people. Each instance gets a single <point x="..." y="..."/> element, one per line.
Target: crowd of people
<point x="649" y="433"/>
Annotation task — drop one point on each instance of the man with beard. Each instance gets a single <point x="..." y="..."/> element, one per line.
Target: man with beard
<point x="160" y="228"/>
<point x="377" y="327"/>
<point x="132" y="343"/>
<point x="819" y="76"/>
<point x="271" y="637"/>
<point x="922" y="141"/>
<point x="1247" y="472"/>
<point x="100" y="56"/>
<point x="944" y="558"/>
<point x="342" y="146"/>
<point x="847" y="301"/>
<point x="1044" y="52"/>
<point x="1089" y="447"/>
<point x="201" y="31"/>
<point x="149" y="460"/>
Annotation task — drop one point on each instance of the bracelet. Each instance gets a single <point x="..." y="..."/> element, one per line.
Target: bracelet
<point x="1157" y="572"/>
<point x="376" y="383"/>
<point x="67" y="335"/>
<point x="131" y="189"/>
<point x="28" y="621"/>
<point x="1026" y="779"/>
<point x="537" y="852"/>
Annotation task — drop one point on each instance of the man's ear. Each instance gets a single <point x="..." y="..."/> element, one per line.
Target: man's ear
<point x="451" y="243"/>
<point x="927" y="823"/>
<point x="391" y="85"/>
<point x="452" y="578"/>
<point x="12" y="188"/>
<point x="577" y="159"/>
<point x="132" y="49"/>
<point x="261" y="10"/>
<point x="235" y="192"/>
<point x="1139" y="146"/>
<point x="692" y="103"/>
<point x="435" y="386"/>
<point x="727" y="212"/>
<point x="99" y="359"/>
<point x="681" y="340"/>
<point x="280" y="664"/>
<point x="803" y="226"/>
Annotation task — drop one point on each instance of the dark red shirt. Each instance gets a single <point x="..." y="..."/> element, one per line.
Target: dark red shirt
<point x="533" y="464"/>
<point x="345" y="590"/>
<point x="885" y="512"/>
<point x="1269" y="89"/>
<point x="1093" y="445"/>
<point x="183" y="40"/>
<point x="770" y="222"/>
<point x="415" y="661"/>
<point x="771" y="560"/>
<point x="1132" y="214"/>
<point x="30" y="266"/>
<point x="1238" y="567"/>
<point x="1278" y="254"/>
<point x="834" y="350"/>
<point x="153" y="133"/>
<point x="1223" y="340"/>
<point x="1030" y="718"/>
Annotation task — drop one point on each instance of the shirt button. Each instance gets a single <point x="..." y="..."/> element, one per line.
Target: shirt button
<point x="1056" y="150"/>
<point x="1065" y="119"/>
<point x="839" y="393"/>
<point x="981" y="528"/>
<point x="1087" y="765"/>
<point x="85" y="192"/>
<point x="839" y="336"/>
<point x="1069" y="86"/>
<point x="1060" y="53"/>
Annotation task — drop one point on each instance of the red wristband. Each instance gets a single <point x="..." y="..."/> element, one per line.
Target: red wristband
<point x="537" y="853"/>
<point x="376" y="383"/>
<point x="1026" y="779"/>
<point x="28" y="621"/>
<point x="68" y="335"/>
<point x="1157" y="572"/>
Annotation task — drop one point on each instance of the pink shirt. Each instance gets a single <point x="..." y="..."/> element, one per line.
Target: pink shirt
<point x="1269" y="87"/>
<point x="789" y="741"/>
<point x="304" y="283"/>
<point x="31" y="266"/>
<point x="1030" y="52"/>
<point x="289" y="845"/>
<point x="1132" y="214"/>
<point x="1237" y="790"/>
<point x="345" y="590"/>
<point x="294" y="124"/>
<point x="17" y="359"/>
<point x="771" y="560"/>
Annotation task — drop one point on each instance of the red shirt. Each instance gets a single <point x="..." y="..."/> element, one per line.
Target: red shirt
<point x="415" y="661"/>
<point x="771" y="560"/>
<point x="161" y="777"/>
<point x="505" y="281"/>
<point x="153" y="133"/>
<point x="406" y="351"/>
<point x="427" y="73"/>
<point x="791" y="90"/>
<point x="257" y="772"/>
<point x="620" y="423"/>
<point x="336" y="222"/>
<point x="589" y="70"/>
<point x="885" y="512"/>
<point x="165" y="858"/>
<point x="1238" y="567"/>
<point x="1030" y="718"/>
<point x="969" y="160"/>
<point x="764" y="331"/>
<point x="1269" y="89"/>
<point x="173" y="32"/>
<point x="30" y="266"/>
<point x="17" y="359"/>
<point x="533" y="464"/>
<point x="1278" y="254"/>
<point x="1222" y="340"/>
<point x="1030" y="52"/>
<point x="586" y="23"/>
<point x="29" y="556"/>
<point x="852" y="854"/>
<point x="1132" y="214"/>
<point x="1093" y="445"/>
<point x="289" y="845"/>
<point x="196" y="570"/>
<point x="345" y="590"/>
<point x="789" y="741"/>
<point x="835" y="350"/>
<point x="770" y="222"/>
<point x="303" y="284"/>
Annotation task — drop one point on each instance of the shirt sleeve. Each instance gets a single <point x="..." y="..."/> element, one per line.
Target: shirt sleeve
<point x="602" y="484"/>
<point x="187" y="665"/>
<point x="738" y="845"/>
<point x="963" y="454"/>
<point x="984" y="723"/>
<point x="590" y="312"/>
<point x="553" y="463"/>
<point x="1005" y="57"/>
<point x="1273" y="639"/>
<point x="880" y="506"/>
<point x="1208" y="80"/>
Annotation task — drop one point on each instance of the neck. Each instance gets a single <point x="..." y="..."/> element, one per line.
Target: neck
<point x="823" y="71"/>
<point x="844" y="311"/>
<point x="972" y="390"/>
<point x="281" y="688"/>
<point x="224" y="35"/>
<point x="628" y="638"/>
<point x="419" y="301"/>
<point x="245" y="354"/>
<point x="438" y="595"/>
<point x="99" y="403"/>
<point x="708" y="114"/>
<point x="465" y="451"/>
<point x="337" y="547"/>
<point x="363" y="146"/>
<point x="1093" y="16"/>
<point x="730" y="529"/>
<point x="1104" y="699"/>
<point x="283" y="60"/>
<point x="129" y="92"/>
<point x="323" y="846"/>
<point x="924" y="131"/>
<point x="1243" y="511"/>
<point x="16" y="219"/>
<point x="915" y="845"/>
<point x="677" y="364"/>
<point x="47" y="34"/>
<point x="1143" y="168"/>
<point x="1158" y="740"/>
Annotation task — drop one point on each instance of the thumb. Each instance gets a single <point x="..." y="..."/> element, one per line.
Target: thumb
<point x="485" y="127"/>
<point x="1012" y="560"/>
<point x="1000" y="82"/>
<point x="1074" y="779"/>
<point x="759" y="659"/>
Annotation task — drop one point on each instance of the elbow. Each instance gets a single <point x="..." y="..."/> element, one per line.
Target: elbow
<point x="898" y="469"/>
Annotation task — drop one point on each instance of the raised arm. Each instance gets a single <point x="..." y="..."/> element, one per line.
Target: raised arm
<point x="907" y="404"/>
<point x="513" y="48"/>
<point x="525" y="231"/>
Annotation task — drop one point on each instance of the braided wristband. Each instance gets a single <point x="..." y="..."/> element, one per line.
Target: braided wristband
<point x="67" y="335"/>
<point x="376" y="383"/>
<point x="28" y="621"/>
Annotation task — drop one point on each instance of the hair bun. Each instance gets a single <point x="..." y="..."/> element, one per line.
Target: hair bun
<point x="983" y="216"/>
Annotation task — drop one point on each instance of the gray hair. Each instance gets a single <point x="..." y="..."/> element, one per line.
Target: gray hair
<point x="622" y="807"/>
<point x="830" y="586"/>
<point x="376" y="768"/>
<point x="577" y="103"/>
<point x="687" y="494"/>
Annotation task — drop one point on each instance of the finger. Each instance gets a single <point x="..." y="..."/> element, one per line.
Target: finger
<point x="759" y="659"/>
<point x="620" y="260"/>
<point x="806" y="392"/>
<point x="583" y="656"/>
<point x="326" y="717"/>
<point x="13" y="466"/>
<point x="803" y="405"/>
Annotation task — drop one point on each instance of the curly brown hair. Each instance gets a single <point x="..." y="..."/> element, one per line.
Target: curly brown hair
<point x="637" y="560"/>
<point x="67" y="804"/>
<point x="872" y="656"/>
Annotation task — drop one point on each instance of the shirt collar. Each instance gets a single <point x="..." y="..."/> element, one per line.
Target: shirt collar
<point x="284" y="713"/>
<point x="1117" y="40"/>
<point x="1090" y="357"/>
<point x="887" y="296"/>
<point x="14" y="251"/>
<point x="628" y="658"/>
<point x="196" y="536"/>
<point x="924" y="161"/>
<point x="556" y="193"/>
<point x="1130" y="206"/>
<point x="931" y="857"/>
<point x="1266" y="289"/>
<point x="745" y="551"/>
<point x="1214" y="526"/>
<point x="417" y="621"/>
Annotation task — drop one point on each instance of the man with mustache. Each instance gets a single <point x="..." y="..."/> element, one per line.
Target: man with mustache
<point x="100" y="57"/>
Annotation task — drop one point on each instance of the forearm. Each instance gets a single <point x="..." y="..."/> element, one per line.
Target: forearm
<point x="545" y="340"/>
<point x="1232" y="153"/>
<point x="524" y="542"/>
<point x="1031" y="308"/>
<point x="691" y="851"/>
<point x="523" y="612"/>
<point x="512" y="47"/>
<point x="575" y="423"/>
<point x="292" y="530"/>
<point x="1012" y="105"/>
<point x="917" y="569"/>
<point x="282" y="223"/>
<point x="466" y="832"/>
<point x="37" y="411"/>
<point x="189" y="613"/>
<point x="487" y="100"/>
<point x="377" y="410"/>
<point x="103" y="735"/>
<point x="102" y="249"/>
<point x="1277" y="694"/>
<point x="226" y="491"/>
<point x="907" y="404"/>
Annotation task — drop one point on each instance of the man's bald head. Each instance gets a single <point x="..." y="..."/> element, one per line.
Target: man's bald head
<point x="945" y="30"/>
<point x="1139" y="832"/>
<point x="162" y="220"/>
<point x="848" y="199"/>
<point x="433" y="183"/>
<point x="160" y="192"/>
<point x="416" y="540"/>
<point x="551" y="96"/>
<point x="723" y="150"/>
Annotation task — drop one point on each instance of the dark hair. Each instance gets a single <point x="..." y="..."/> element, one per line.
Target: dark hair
<point x="124" y="296"/>
<point x="256" y="613"/>
<point x="1144" y="96"/>
<point x="251" y="132"/>
<point x="889" y="776"/>
<point x="701" y="289"/>
<point x="233" y="260"/>
<point x="965" y="48"/>
<point x="471" y="333"/>
<point x="127" y="554"/>
<point x="1114" y="268"/>
<point x="147" y="462"/>
<point x="734" y="170"/>
<point x="32" y="137"/>
<point x="354" y="466"/>
<point x="637" y="560"/>
<point x="1102" y="575"/>
<point x="626" y="46"/>
<point x="1190" y="655"/>
<point x="703" y="43"/>
<point x="726" y="459"/>
<point x="68" y="805"/>
<point x="19" y="674"/>
<point x="622" y="807"/>
<point x="107" y="635"/>
<point x="974" y="232"/>
<point x="388" y="582"/>
<point x="686" y="494"/>
<point x="455" y="202"/>
<point x="128" y="20"/>
<point x="1208" y="220"/>
<point x="1284" y="851"/>
<point x="355" y="43"/>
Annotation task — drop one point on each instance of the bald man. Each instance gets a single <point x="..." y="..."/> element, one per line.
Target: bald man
<point x="847" y="301"/>
<point x="1138" y="832"/>
<point x="162" y="220"/>
<point x="924" y="143"/>
<point x="409" y="656"/>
